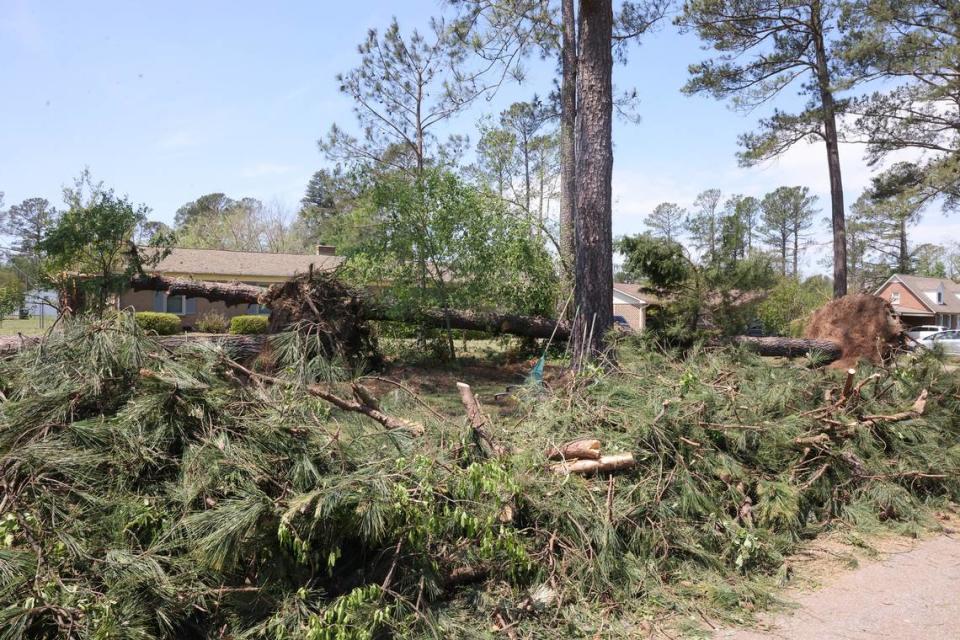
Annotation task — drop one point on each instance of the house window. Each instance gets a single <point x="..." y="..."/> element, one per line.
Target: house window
<point x="895" y="297"/>
<point x="176" y="304"/>
<point x="258" y="310"/>
<point x="179" y="305"/>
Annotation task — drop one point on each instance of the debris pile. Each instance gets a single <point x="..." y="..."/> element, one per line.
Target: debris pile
<point x="863" y="325"/>
<point x="177" y="493"/>
<point x="333" y="313"/>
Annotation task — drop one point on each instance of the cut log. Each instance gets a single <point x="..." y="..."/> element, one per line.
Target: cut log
<point x="584" y="449"/>
<point x="478" y="420"/>
<point x="604" y="464"/>
<point x="790" y="347"/>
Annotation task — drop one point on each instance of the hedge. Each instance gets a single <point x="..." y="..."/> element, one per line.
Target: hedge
<point x="247" y="325"/>
<point x="212" y="322"/>
<point x="163" y="324"/>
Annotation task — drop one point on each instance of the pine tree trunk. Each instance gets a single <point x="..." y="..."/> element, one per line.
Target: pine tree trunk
<point x="833" y="157"/>
<point x="594" y="239"/>
<point x="568" y="117"/>
<point x="796" y="253"/>
<point x="904" y="261"/>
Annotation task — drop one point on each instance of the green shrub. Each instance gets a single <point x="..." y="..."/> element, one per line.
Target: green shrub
<point x="247" y="325"/>
<point x="163" y="324"/>
<point x="212" y="322"/>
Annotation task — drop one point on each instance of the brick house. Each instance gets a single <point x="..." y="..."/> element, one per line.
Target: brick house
<point x="630" y="303"/>
<point x="918" y="300"/>
<point x="248" y="267"/>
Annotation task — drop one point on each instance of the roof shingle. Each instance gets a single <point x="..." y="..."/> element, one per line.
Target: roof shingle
<point x="213" y="263"/>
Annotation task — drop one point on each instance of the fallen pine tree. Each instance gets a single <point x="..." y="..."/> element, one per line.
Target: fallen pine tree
<point x="154" y="492"/>
<point x="323" y="296"/>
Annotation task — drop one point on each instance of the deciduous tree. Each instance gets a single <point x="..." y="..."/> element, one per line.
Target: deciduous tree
<point x="95" y="241"/>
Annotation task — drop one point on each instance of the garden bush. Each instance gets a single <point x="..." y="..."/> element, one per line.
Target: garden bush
<point x="248" y="325"/>
<point x="212" y="322"/>
<point x="163" y="324"/>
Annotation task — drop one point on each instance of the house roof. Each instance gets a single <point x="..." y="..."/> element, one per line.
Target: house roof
<point x="217" y="262"/>
<point x="925" y="289"/>
<point x="636" y="292"/>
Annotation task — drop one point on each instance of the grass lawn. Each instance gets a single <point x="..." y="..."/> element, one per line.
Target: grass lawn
<point x="28" y="327"/>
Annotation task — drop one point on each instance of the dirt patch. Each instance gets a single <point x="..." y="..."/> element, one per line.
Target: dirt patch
<point x="863" y="325"/>
<point x="882" y="587"/>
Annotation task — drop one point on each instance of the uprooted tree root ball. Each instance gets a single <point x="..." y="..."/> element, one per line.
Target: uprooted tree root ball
<point x="155" y="493"/>
<point x="863" y="325"/>
<point x="322" y="305"/>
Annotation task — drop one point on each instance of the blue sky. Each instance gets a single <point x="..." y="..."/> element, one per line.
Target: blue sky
<point x="166" y="101"/>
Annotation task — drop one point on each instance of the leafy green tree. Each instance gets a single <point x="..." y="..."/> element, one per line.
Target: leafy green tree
<point x="91" y="248"/>
<point x="27" y="224"/>
<point x="790" y="301"/>
<point x="666" y="221"/>
<point x="518" y="157"/>
<point x="441" y="243"/>
<point x="11" y="299"/>
<point x="331" y="196"/>
<point x="211" y="205"/>
<point x="787" y="215"/>
<point x="763" y="48"/>
<point x="239" y="225"/>
<point x="697" y="295"/>
<point x="154" y="232"/>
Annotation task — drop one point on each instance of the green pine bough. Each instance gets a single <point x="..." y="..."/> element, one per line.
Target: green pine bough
<point x="158" y="492"/>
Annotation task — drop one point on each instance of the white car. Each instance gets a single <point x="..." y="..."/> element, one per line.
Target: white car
<point x="949" y="340"/>
<point x="921" y="332"/>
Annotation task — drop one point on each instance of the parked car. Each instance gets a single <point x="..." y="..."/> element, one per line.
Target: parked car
<point x="921" y="332"/>
<point x="949" y="340"/>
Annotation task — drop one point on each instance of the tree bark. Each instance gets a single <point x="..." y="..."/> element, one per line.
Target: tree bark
<point x="604" y="464"/>
<point x="229" y="292"/>
<point x="790" y="347"/>
<point x="594" y="239"/>
<point x="568" y="118"/>
<point x="838" y="216"/>
<point x="495" y="323"/>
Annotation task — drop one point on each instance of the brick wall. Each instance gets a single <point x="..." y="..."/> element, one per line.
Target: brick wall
<point x="907" y="299"/>
<point x="634" y="315"/>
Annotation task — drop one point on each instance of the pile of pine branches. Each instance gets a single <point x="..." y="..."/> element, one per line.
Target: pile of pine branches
<point x="158" y="493"/>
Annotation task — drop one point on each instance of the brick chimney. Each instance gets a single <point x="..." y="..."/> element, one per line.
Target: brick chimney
<point x="326" y="250"/>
